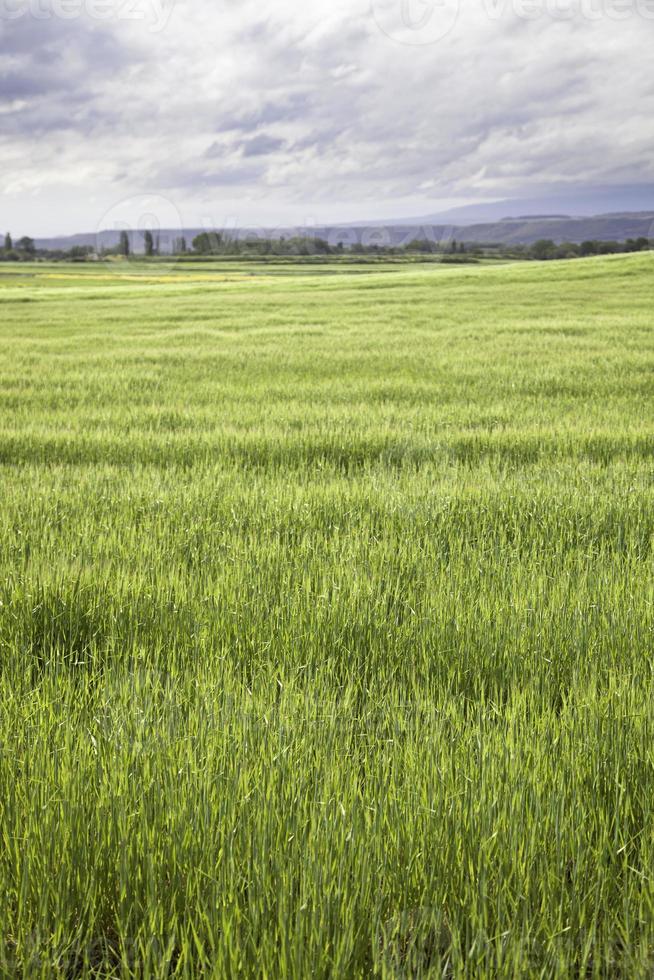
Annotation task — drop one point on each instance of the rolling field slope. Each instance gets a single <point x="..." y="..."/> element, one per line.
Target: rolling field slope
<point x="326" y="620"/>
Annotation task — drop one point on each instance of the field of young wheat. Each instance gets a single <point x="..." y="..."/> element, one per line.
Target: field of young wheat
<point x="326" y="621"/>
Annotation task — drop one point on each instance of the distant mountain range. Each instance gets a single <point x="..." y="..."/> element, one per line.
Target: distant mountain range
<point x="573" y="213"/>
<point x="565" y="203"/>
<point x="523" y="229"/>
<point x="529" y="229"/>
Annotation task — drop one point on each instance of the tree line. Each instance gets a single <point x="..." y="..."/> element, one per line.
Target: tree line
<point x="545" y="250"/>
<point x="216" y="243"/>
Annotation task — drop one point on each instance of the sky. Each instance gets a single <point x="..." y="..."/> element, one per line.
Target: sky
<point x="214" y="113"/>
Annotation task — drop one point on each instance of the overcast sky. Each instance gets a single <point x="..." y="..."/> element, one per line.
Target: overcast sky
<point x="270" y="112"/>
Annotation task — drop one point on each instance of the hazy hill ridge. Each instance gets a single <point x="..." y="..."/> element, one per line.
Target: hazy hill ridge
<point x="520" y="230"/>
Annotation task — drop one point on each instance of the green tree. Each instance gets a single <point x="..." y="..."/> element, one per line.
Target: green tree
<point x="26" y="244"/>
<point x="421" y="245"/>
<point x="8" y="243"/>
<point x="543" y="249"/>
<point x="149" y="243"/>
<point x="589" y="248"/>
<point x="123" y="247"/>
<point x="567" y="250"/>
<point x="79" y="252"/>
<point x="208" y="243"/>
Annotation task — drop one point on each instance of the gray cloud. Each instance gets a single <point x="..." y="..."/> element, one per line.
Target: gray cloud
<point x="261" y="145"/>
<point x="266" y="106"/>
<point x="53" y="73"/>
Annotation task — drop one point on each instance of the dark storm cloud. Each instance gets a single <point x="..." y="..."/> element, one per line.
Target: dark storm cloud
<point x="256" y="146"/>
<point x="21" y="85"/>
<point x="53" y="41"/>
<point x="261" y="145"/>
<point x="289" y="108"/>
<point x="56" y="71"/>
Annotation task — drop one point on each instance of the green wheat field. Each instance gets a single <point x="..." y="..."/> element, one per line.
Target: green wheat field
<point x="326" y="620"/>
